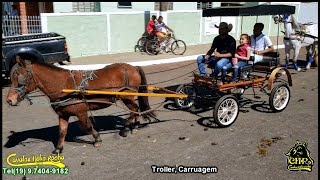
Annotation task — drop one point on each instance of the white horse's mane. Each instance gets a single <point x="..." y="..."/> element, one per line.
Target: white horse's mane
<point x="295" y="24"/>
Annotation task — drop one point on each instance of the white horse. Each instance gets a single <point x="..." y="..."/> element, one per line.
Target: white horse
<point x="298" y="35"/>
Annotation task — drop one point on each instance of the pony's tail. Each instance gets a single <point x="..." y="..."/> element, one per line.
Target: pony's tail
<point x="144" y="100"/>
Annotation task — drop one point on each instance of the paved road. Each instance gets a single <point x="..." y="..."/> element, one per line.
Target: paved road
<point x="31" y="130"/>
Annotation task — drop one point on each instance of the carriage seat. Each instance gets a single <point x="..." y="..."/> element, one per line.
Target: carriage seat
<point x="246" y="68"/>
<point x="269" y="59"/>
<point x="242" y="70"/>
<point x="269" y="62"/>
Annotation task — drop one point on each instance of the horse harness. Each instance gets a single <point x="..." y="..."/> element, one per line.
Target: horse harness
<point x="83" y="86"/>
<point x="297" y="33"/>
<point x="24" y="80"/>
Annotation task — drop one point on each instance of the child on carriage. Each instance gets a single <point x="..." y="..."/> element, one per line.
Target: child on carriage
<point x="240" y="58"/>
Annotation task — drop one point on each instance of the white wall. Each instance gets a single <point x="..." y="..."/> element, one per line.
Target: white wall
<point x="184" y="5"/>
<point x="59" y="7"/>
<point x="216" y="4"/>
<point x="254" y="3"/>
<point x="308" y="12"/>
<point x="136" y="6"/>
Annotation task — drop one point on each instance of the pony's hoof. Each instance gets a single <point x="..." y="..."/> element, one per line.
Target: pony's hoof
<point x="57" y="151"/>
<point x="124" y="133"/>
<point x="97" y="144"/>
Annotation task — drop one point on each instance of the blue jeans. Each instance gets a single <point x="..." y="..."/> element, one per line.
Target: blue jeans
<point x="202" y="62"/>
<point x="235" y="69"/>
<point x="218" y="67"/>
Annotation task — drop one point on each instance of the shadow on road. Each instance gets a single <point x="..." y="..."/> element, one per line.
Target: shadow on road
<point x="102" y="123"/>
<point x="205" y="102"/>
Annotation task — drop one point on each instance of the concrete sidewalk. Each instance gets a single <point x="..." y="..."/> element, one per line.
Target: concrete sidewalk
<point x="137" y="58"/>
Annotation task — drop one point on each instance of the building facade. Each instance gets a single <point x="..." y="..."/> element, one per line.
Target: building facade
<point x="93" y="28"/>
<point x="66" y="7"/>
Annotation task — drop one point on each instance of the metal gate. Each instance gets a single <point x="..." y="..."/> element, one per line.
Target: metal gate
<point x="18" y="25"/>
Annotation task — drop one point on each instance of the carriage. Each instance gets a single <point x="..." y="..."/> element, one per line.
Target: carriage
<point x="266" y="75"/>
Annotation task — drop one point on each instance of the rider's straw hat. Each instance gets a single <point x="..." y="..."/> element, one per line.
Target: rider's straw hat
<point x="224" y="25"/>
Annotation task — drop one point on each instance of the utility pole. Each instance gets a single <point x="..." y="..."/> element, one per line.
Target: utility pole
<point x="163" y="11"/>
<point x="23" y="14"/>
<point x="163" y="7"/>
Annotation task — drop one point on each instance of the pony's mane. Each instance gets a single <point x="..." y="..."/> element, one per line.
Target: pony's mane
<point x="51" y="66"/>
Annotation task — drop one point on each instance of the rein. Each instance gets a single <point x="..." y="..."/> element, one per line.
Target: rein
<point x="84" y="81"/>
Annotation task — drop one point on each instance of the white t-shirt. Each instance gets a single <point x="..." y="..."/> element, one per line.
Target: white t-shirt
<point x="160" y="26"/>
<point x="260" y="43"/>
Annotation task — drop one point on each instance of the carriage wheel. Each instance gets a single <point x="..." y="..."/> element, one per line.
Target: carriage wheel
<point x="178" y="47"/>
<point x="141" y="44"/>
<point x="152" y="47"/>
<point x="185" y="103"/>
<point x="279" y="97"/>
<point x="226" y="111"/>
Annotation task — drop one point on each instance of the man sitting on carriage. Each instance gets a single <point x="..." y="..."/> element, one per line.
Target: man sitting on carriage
<point x="260" y="43"/>
<point x="225" y="46"/>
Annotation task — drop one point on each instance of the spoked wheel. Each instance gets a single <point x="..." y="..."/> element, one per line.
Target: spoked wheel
<point x="141" y="44"/>
<point x="152" y="47"/>
<point x="178" y="47"/>
<point x="226" y="111"/>
<point x="187" y="102"/>
<point x="279" y="97"/>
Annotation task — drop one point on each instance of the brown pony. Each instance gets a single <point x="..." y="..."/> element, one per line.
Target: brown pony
<point x="51" y="80"/>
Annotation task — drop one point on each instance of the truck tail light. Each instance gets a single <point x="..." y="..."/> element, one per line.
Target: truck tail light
<point x="65" y="48"/>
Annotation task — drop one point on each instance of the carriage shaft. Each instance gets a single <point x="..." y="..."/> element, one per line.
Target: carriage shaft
<point x="125" y="93"/>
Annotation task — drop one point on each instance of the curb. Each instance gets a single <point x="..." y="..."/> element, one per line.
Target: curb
<point x="139" y="63"/>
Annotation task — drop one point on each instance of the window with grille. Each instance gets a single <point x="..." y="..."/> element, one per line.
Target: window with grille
<point x="169" y="6"/>
<point x="124" y="5"/>
<point x="204" y="5"/>
<point x="86" y="6"/>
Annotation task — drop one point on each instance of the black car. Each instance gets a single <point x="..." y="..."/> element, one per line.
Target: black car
<point x="44" y="47"/>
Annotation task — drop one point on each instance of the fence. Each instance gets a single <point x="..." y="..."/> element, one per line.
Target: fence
<point x="18" y="25"/>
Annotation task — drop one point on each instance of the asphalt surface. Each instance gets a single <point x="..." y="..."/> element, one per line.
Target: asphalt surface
<point x="180" y="138"/>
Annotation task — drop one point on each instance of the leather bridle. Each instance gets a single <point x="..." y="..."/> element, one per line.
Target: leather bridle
<point x="23" y="80"/>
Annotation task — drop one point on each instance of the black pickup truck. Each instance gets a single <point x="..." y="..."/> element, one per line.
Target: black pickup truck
<point x="45" y="47"/>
